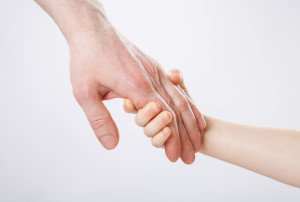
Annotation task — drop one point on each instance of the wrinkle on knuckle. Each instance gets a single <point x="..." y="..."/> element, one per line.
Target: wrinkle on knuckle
<point x="99" y="123"/>
<point x="160" y="71"/>
<point x="183" y="104"/>
<point x="152" y="71"/>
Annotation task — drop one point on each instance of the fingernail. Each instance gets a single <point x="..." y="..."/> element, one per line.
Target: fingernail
<point x="174" y="158"/>
<point x="167" y="116"/>
<point x="191" y="157"/>
<point x="197" y="146"/>
<point x="166" y="131"/>
<point x="155" y="109"/>
<point x="108" y="141"/>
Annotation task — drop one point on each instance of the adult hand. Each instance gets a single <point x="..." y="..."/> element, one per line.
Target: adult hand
<point x="146" y="114"/>
<point x="105" y="65"/>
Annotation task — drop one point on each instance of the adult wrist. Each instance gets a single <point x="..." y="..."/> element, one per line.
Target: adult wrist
<point x="78" y="20"/>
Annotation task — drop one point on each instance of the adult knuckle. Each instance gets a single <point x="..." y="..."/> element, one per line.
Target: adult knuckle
<point x="143" y="83"/>
<point x="183" y="104"/>
<point x="82" y="93"/>
<point x="152" y="71"/>
<point x="99" y="123"/>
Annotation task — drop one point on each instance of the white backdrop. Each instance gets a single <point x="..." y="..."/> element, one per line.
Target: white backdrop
<point x="241" y="63"/>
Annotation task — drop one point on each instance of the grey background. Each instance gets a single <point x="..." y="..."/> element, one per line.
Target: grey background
<point x="241" y="63"/>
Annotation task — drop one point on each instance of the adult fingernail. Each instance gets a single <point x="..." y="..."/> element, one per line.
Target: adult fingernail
<point x="108" y="141"/>
<point x="191" y="157"/>
<point x="174" y="157"/>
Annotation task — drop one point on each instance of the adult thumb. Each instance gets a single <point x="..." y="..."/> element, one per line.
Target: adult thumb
<point x="100" y="120"/>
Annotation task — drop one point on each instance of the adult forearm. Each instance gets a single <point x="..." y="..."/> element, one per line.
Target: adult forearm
<point x="79" y="19"/>
<point x="271" y="152"/>
<point x="105" y="65"/>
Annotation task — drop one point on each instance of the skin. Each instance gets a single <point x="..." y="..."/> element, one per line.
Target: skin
<point x="271" y="152"/>
<point x="105" y="65"/>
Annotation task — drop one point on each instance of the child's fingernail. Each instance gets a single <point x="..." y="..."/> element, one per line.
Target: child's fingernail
<point x="167" y="116"/>
<point x="166" y="131"/>
<point x="155" y="108"/>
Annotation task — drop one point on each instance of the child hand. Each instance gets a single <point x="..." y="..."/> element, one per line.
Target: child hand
<point x="153" y="120"/>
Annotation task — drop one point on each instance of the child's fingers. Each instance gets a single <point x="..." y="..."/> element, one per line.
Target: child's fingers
<point x="128" y="106"/>
<point x="159" y="122"/>
<point x="147" y="113"/>
<point x="160" y="138"/>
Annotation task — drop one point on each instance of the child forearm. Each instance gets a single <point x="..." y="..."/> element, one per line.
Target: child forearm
<point x="274" y="153"/>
